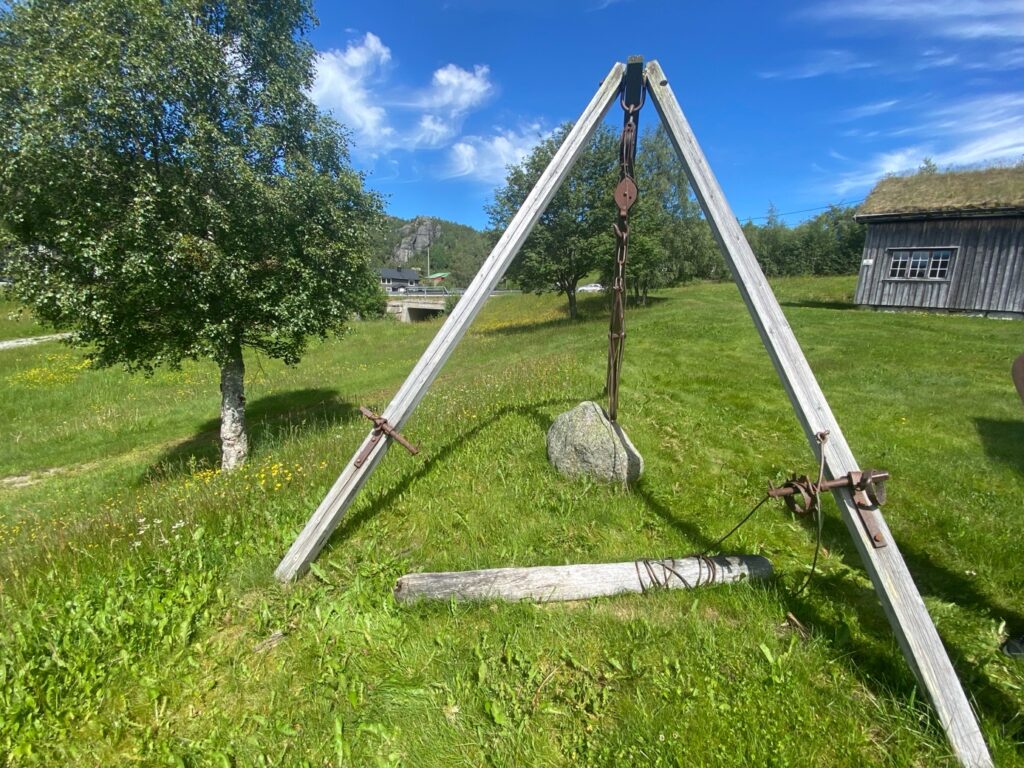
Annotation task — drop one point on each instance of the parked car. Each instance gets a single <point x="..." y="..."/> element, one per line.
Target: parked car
<point x="590" y="288"/>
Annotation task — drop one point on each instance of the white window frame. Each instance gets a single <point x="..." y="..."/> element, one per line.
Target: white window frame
<point x="933" y="264"/>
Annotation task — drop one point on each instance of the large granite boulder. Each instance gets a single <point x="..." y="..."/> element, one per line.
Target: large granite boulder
<point x="584" y="442"/>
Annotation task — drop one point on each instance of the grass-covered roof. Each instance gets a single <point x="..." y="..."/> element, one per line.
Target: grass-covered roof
<point x="978" y="190"/>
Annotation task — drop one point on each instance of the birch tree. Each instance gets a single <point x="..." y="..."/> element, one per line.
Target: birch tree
<point x="171" y="190"/>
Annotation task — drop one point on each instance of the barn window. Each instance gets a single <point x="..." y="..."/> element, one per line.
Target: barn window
<point x="898" y="268"/>
<point x="938" y="267"/>
<point x="920" y="264"/>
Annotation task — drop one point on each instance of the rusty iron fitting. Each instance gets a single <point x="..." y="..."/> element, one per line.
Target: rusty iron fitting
<point x="381" y="428"/>
<point x="870" y="481"/>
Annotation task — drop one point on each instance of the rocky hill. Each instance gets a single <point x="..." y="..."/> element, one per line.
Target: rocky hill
<point x="417" y="235"/>
<point x="453" y="247"/>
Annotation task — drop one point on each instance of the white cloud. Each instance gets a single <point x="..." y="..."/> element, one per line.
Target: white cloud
<point x="431" y="132"/>
<point x="961" y="19"/>
<point x="355" y="84"/>
<point x="828" y="62"/>
<point x="896" y="161"/>
<point x="1001" y="61"/>
<point x="868" y="110"/>
<point x="456" y="90"/>
<point x="485" y="158"/>
<point x="982" y="129"/>
<point x="987" y="33"/>
<point x="343" y="86"/>
<point x="936" y="59"/>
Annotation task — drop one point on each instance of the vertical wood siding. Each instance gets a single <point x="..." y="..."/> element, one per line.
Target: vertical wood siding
<point x="986" y="274"/>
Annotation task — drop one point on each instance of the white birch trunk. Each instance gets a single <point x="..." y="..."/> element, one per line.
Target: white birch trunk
<point x="234" y="442"/>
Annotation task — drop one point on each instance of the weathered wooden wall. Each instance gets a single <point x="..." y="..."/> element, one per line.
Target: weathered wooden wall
<point x="986" y="275"/>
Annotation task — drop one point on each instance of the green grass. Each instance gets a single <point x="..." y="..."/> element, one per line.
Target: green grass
<point x="17" y="322"/>
<point x="977" y="189"/>
<point x="138" y="585"/>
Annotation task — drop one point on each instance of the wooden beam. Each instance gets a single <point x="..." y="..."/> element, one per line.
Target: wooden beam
<point x="899" y="596"/>
<point x="578" y="582"/>
<point x="331" y="510"/>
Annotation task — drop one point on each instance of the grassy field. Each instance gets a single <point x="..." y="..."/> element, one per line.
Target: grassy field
<point x="15" y="322"/>
<point x="143" y="625"/>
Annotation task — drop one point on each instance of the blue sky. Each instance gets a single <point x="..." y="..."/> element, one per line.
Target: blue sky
<point x="800" y="104"/>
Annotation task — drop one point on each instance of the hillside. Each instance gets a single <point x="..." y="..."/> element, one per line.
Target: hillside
<point x="453" y="247"/>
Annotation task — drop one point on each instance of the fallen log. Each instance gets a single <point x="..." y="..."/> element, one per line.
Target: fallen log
<point x="578" y="582"/>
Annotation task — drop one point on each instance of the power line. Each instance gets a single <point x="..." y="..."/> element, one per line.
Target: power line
<point x="806" y="210"/>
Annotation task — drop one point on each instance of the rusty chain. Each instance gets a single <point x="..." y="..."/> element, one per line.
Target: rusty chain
<point x="632" y="97"/>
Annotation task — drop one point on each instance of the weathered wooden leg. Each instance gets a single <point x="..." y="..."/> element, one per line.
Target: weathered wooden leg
<point x="550" y="583"/>
<point x="327" y="516"/>
<point x="896" y="589"/>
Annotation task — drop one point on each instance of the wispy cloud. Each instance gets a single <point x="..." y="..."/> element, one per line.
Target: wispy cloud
<point x="976" y="130"/>
<point x="827" y="62"/>
<point x="485" y="158"/>
<point x="1000" y="61"/>
<point x="935" y="58"/>
<point x="868" y="110"/>
<point x="959" y="19"/>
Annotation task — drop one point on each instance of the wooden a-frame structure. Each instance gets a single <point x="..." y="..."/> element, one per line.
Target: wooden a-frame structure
<point x="896" y="590"/>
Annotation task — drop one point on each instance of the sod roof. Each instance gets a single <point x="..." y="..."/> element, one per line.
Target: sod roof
<point x="988" y="189"/>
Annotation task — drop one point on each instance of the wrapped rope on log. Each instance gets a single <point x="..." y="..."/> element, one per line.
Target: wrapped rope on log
<point x="579" y="582"/>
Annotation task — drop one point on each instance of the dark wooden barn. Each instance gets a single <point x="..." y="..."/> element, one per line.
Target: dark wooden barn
<point x="945" y="241"/>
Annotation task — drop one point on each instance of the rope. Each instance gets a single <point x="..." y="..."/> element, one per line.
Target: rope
<point x="654" y="581"/>
<point x="736" y="527"/>
<point x="815" y="510"/>
<point x="813" y="491"/>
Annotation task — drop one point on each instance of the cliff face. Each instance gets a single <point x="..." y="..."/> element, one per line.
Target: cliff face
<point x="417" y="236"/>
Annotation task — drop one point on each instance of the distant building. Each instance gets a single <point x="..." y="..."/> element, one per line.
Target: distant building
<point x="393" y="279"/>
<point x="945" y="241"/>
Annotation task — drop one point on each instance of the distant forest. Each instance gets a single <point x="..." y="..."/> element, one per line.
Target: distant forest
<point x="831" y="243"/>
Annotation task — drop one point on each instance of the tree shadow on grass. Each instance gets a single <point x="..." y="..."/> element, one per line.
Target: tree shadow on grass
<point x="380" y="500"/>
<point x="1003" y="440"/>
<point x="870" y="657"/>
<point x="267" y="418"/>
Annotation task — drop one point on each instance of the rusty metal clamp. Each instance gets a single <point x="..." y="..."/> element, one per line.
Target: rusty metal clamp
<point x="381" y="427"/>
<point x="867" y="488"/>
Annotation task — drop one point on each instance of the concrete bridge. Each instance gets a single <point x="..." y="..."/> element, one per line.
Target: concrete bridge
<point x="412" y="309"/>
